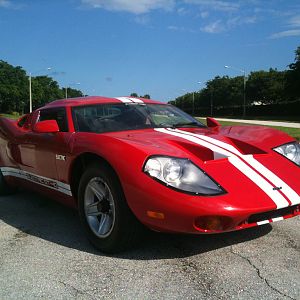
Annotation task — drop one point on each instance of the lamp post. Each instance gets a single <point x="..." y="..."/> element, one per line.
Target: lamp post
<point x="30" y="87"/>
<point x="211" y="103"/>
<point x="244" y="86"/>
<point x="69" y="85"/>
<point x="193" y="108"/>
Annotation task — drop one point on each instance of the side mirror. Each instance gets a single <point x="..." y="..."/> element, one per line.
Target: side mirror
<point x="211" y="122"/>
<point x="47" y="126"/>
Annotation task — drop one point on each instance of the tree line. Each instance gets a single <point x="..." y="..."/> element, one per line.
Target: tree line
<point x="14" y="89"/>
<point x="146" y="96"/>
<point x="262" y="88"/>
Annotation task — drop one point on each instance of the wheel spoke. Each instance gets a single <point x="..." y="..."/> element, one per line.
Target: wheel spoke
<point x="98" y="190"/>
<point x="92" y="209"/>
<point x="105" y="224"/>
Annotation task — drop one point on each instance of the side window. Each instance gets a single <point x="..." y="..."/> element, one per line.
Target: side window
<point x="58" y="114"/>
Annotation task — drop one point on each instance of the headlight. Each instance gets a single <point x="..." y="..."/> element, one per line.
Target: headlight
<point x="181" y="174"/>
<point x="291" y="151"/>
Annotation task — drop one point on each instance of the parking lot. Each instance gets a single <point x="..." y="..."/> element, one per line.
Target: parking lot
<point x="44" y="255"/>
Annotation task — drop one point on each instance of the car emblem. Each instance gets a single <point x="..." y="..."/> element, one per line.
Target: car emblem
<point x="60" y="157"/>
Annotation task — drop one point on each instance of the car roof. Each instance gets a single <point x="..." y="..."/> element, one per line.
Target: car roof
<point x="92" y="100"/>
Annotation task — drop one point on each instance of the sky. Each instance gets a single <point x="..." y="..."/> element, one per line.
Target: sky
<point x="164" y="48"/>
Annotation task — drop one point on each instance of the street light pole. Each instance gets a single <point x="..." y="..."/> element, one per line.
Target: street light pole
<point x="69" y="85"/>
<point x="193" y="110"/>
<point x="211" y="103"/>
<point x="244" y="87"/>
<point x="30" y="88"/>
<point x="244" y="106"/>
<point x="30" y="94"/>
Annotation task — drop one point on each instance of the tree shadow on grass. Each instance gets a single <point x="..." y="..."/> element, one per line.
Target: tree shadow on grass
<point x="35" y="215"/>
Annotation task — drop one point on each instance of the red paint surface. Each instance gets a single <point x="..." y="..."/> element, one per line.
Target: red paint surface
<point x="127" y="151"/>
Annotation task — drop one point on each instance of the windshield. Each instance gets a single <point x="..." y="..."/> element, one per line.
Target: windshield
<point x="118" y="117"/>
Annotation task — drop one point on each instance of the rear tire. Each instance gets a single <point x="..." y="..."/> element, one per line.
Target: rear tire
<point x="109" y="223"/>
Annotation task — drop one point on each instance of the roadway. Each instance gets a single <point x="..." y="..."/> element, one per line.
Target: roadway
<point x="44" y="255"/>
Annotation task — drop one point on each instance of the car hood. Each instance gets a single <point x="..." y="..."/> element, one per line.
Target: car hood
<point x="199" y="141"/>
<point x="240" y="159"/>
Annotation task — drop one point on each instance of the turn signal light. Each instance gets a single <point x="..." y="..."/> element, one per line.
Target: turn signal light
<point x="155" y="215"/>
<point x="212" y="223"/>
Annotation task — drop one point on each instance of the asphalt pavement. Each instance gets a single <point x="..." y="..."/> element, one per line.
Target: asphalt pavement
<point x="44" y="255"/>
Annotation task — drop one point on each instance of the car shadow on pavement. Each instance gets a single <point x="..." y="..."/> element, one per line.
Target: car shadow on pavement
<point x="35" y="215"/>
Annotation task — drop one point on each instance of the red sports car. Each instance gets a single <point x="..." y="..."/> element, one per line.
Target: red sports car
<point x="124" y="162"/>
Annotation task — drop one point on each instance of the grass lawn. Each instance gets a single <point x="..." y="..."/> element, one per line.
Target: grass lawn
<point x="10" y="116"/>
<point x="294" y="132"/>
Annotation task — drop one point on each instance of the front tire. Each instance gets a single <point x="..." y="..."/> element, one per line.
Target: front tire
<point x="5" y="189"/>
<point x="109" y="223"/>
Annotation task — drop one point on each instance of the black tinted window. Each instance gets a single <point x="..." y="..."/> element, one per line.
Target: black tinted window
<point x="58" y="114"/>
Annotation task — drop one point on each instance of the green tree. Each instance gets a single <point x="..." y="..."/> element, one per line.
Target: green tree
<point x="134" y="95"/>
<point x="13" y="87"/>
<point x="266" y="87"/>
<point x="73" y="93"/>
<point x="44" y="90"/>
<point x="293" y="78"/>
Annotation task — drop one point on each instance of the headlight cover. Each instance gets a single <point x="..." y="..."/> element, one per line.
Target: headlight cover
<point x="291" y="151"/>
<point x="181" y="174"/>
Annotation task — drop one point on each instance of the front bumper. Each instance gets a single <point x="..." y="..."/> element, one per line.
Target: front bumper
<point x="166" y="210"/>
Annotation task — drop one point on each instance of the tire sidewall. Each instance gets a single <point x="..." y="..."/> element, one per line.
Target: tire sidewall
<point x="111" y="241"/>
<point x="4" y="188"/>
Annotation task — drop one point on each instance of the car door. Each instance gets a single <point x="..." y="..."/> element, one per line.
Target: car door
<point x="40" y="152"/>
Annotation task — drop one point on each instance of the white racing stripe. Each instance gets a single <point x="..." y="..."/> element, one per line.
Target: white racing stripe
<point x="124" y="99"/>
<point x="278" y="182"/>
<point x="136" y="100"/>
<point x="286" y="189"/>
<point x="44" y="181"/>
<point x="264" y="185"/>
<point x="236" y="161"/>
<point x="129" y="100"/>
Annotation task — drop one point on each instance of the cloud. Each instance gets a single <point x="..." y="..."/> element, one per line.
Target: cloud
<point x="180" y="29"/>
<point x="214" y="27"/>
<point x="204" y="14"/>
<point x="294" y="24"/>
<point x="175" y="28"/>
<point x="239" y="20"/>
<point x="286" y="33"/>
<point x="11" y="5"/>
<point x="131" y="6"/>
<point x="182" y="11"/>
<point x="142" y="19"/>
<point x="216" y="4"/>
<point x="221" y="26"/>
<point x="294" y="21"/>
<point x="5" y="3"/>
